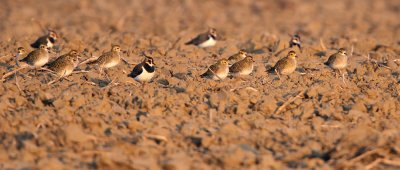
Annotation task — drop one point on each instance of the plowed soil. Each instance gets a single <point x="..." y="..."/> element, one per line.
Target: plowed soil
<point x="308" y="120"/>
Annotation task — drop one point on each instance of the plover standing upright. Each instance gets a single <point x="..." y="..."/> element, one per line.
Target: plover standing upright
<point x="109" y="59"/>
<point x="20" y="51"/>
<point x="295" y="41"/>
<point x="35" y="59"/>
<point x="144" y="71"/>
<point x="338" y="61"/>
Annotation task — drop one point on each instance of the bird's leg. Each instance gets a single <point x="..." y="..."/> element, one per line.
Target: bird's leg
<point x="8" y="74"/>
<point x="101" y="71"/>
<point x="343" y="76"/>
<point x="299" y="46"/>
<point x="41" y="125"/>
<point x="80" y="71"/>
<point x="336" y="76"/>
<point x="55" y="80"/>
<point x="108" y="77"/>
<point x="277" y="73"/>
<point x="143" y="84"/>
<point x="133" y="83"/>
<point x="125" y="61"/>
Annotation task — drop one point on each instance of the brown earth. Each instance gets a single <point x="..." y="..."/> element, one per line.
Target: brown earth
<point x="180" y="121"/>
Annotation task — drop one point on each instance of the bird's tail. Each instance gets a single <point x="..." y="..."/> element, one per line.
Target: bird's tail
<point x="36" y="44"/>
<point x="300" y="48"/>
<point x="270" y="69"/>
<point x="91" y="62"/>
<point x="189" y="43"/>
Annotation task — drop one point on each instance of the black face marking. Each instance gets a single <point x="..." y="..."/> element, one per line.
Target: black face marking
<point x="149" y="68"/>
<point x="52" y="40"/>
<point x="212" y="36"/>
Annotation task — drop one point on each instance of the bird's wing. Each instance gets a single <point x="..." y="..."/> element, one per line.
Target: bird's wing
<point x="50" y="64"/>
<point x="136" y="70"/>
<point x="281" y="63"/>
<point x="210" y="70"/>
<point x="57" y="62"/>
<point x="236" y="67"/>
<point x="39" y="41"/>
<point x="199" y="39"/>
<point x="102" y="59"/>
<point x="31" y="57"/>
<point x="331" y="59"/>
<point x="234" y="57"/>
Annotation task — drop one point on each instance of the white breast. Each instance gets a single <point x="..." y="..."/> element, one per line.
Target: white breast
<point x="246" y="71"/>
<point x="111" y="64"/>
<point x="144" y="76"/>
<point x="66" y="72"/>
<point x="222" y="75"/>
<point x="210" y="42"/>
<point x="49" y="43"/>
<point x="42" y="61"/>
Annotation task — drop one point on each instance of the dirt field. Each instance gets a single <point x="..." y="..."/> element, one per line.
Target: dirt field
<point x="180" y="121"/>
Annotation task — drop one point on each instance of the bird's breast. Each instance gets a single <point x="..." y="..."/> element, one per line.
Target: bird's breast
<point x="144" y="76"/>
<point x="208" y="43"/>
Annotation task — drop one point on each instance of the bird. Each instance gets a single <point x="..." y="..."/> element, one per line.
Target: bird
<point x="20" y="51"/>
<point x="242" y="67"/>
<point x="144" y="71"/>
<point x="295" y="41"/>
<point x="65" y="64"/>
<point x="47" y="40"/>
<point x="338" y="60"/>
<point x="36" y="58"/>
<point x="217" y="71"/>
<point x="207" y="39"/>
<point x="286" y="65"/>
<point x="238" y="56"/>
<point x="109" y="59"/>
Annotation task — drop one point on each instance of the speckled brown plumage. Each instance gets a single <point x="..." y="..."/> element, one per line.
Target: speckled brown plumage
<point x="243" y="67"/>
<point x="286" y="65"/>
<point x="65" y="64"/>
<point x="221" y="69"/>
<point x="109" y="59"/>
<point x="238" y="56"/>
<point x="37" y="58"/>
<point x="338" y="60"/>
